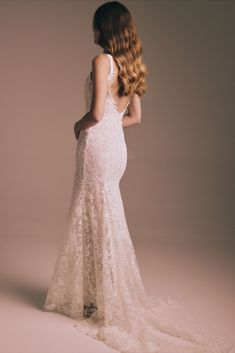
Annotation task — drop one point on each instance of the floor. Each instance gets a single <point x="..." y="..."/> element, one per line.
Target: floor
<point x="202" y="276"/>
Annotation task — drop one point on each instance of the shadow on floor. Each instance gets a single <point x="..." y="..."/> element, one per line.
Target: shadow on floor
<point x="32" y="295"/>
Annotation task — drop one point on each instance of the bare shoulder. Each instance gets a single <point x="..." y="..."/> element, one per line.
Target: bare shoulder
<point x="100" y="59"/>
<point x="136" y="96"/>
<point x="136" y="99"/>
<point x="100" y="66"/>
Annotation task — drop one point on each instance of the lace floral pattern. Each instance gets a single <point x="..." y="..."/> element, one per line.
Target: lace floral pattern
<point x="96" y="278"/>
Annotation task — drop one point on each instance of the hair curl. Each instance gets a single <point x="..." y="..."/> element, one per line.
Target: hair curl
<point x="118" y="36"/>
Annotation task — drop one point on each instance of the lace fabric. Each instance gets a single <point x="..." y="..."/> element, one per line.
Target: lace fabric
<point x="96" y="279"/>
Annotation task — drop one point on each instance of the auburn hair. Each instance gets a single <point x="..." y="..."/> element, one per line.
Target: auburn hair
<point x="118" y="37"/>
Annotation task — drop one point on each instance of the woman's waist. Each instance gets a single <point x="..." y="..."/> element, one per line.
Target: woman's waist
<point x="108" y="122"/>
<point x="105" y="127"/>
<point x="115" y="118"/>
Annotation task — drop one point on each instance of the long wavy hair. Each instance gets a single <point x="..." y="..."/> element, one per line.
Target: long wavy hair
<point x="118" y="37"/>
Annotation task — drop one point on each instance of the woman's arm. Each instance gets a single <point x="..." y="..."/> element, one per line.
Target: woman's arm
<point x="134" y="112"/>
<point x="100" y="71"/>
<point x="85" y="122"/>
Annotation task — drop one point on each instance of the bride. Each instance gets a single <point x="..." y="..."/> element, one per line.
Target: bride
<point x="96" y="278"/>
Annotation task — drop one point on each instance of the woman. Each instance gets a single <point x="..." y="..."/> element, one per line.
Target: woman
<point x="96" y="279"/>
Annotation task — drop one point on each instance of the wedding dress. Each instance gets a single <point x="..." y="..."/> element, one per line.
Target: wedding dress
<point x="96" y="278"/>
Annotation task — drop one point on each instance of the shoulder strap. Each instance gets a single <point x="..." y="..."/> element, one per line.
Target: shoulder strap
<point x="111" y="66"/>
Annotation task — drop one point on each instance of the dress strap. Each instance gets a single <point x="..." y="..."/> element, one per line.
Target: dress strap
<point x="111" y="71"/>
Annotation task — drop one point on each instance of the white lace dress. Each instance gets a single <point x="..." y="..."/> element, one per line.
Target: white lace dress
<point x="96" y="278"/>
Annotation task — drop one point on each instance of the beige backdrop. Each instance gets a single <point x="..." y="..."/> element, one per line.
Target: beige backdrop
<point x="179" y="182"/>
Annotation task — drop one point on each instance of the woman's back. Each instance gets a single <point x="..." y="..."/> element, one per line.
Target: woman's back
<point x="120" y="102"/>
<point x="114" y="105"/>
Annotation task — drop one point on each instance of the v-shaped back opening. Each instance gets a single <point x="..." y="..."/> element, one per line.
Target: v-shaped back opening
<point x="110" y="79"/>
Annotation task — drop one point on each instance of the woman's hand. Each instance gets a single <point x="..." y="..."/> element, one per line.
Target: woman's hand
<point x="76" y="131"/>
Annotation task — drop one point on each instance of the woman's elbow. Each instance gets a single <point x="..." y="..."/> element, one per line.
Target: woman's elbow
<point x="95" y="116"/>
